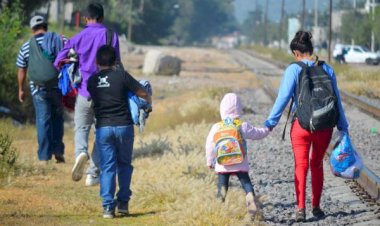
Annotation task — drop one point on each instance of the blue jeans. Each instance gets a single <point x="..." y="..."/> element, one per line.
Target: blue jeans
<point x="49" y="123"/>
<point x="83" y="119"/>
<point x="115" y="146"/>
<point x="224" y="178"/>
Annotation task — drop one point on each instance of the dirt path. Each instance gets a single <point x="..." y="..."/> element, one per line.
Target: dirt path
<point x="168" y="154"/>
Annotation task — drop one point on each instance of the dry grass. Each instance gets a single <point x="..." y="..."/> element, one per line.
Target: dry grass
<point x="360" y="82"/>
<point x="273" y="53"/>
<point x="171" y="184"/>
<point x="184" y="192"/>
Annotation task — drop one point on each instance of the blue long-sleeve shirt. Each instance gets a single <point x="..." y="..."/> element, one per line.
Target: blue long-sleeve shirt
<point x="288" y="90"/>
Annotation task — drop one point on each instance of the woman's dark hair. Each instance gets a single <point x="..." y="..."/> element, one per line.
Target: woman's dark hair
<point x="106" y="56"/>
<point x="302" y="42"/>
<point x="95" y="11"/>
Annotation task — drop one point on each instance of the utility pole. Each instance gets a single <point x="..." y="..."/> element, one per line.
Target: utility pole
<point x="373" y="20"/>
<point x="61" y="10"/>
<point x="303" y="15"/>
<point x="315" y="13"/>
<point x="130" y="21"/>
<point x="330" y="32"/>
<point x="266" y="23"/>
<point x="282" y="21"/>
<point x="141" y="9"/>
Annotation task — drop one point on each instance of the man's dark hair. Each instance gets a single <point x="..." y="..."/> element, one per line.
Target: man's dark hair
<point x="106" y="56"/>
<point x="95" y="11"/>
<point x="43" y="26"/>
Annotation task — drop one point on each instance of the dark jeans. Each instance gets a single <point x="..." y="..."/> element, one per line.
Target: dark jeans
<point x="115" y="145"/>
<point x="49" y="123"/>
<point x="224" y="178"/>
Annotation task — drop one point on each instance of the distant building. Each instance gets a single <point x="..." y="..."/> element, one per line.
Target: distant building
<point x="319" y="35"/>
<point x="368" y="3"/>
<point x="56" y="10"/>
<point x="294" y="25"/>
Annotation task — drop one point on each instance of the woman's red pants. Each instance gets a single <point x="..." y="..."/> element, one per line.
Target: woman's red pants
<point x="302" y="140"/>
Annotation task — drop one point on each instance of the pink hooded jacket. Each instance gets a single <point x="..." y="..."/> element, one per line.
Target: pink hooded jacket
<point x="231" y="107"/>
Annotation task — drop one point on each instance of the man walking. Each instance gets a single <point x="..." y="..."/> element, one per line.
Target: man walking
<point x="35" y="58"/>
<point x="86" y="43"/>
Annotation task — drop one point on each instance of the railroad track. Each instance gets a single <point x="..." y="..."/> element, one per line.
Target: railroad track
<point x="367" y="187"/>
<point x="361" y="104"/>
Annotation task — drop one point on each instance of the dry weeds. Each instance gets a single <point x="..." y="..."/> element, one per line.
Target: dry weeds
<point x="171" y="184"/>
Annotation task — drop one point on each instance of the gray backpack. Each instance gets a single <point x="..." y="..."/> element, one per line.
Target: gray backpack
<point x="41" y="70"/>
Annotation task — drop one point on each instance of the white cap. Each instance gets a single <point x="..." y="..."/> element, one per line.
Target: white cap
<point x="36" y="20"/>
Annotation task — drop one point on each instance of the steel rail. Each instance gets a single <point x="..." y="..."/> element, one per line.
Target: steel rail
<point x="368" y="180"/>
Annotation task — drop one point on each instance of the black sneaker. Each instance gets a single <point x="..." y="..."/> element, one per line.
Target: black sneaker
<point x="318" y="213"/>
<point x="108" y="213"/>
<point x="300" y="215"/>
<point x="59" y="159"/>
<point x="122" y="208"/>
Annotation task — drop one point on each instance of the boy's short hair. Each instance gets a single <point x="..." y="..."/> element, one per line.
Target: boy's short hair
<point x="40" y="26"/>
<point x="106" y="56"/>
<point x="95" y="11"/>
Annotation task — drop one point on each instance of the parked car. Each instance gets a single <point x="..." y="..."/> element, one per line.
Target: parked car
<point x="355" y="54"/>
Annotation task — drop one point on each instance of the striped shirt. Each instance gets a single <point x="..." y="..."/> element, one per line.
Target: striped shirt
<point x="23" y="59"/>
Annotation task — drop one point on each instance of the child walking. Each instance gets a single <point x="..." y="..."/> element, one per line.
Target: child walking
<point x="226" y="150"/>
<point x="114" y="129"/>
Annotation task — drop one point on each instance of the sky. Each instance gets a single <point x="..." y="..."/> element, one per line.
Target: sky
<point x="243" y="7"/>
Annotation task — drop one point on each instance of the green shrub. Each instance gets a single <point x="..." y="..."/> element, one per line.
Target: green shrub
<point x="12" y="29"/>
<point x="8" y="156"/>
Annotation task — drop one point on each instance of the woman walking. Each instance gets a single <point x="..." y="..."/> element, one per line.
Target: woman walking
<point x="307" y="74"/>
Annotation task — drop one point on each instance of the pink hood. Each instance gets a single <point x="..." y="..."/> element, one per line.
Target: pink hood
<point x="230" y="106"/>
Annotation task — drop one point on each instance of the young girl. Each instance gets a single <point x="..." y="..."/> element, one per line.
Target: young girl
<point x="231" y="109"/>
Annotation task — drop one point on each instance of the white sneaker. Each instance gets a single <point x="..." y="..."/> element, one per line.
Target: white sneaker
<point x="78" y="168"/>
<point x="91" y="180"/>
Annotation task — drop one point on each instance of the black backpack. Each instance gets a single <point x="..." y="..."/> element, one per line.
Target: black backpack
<point x="317" y="103"/>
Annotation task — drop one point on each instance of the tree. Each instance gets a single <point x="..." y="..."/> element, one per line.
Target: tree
<point x="11" y="27"/>
<point x="253" y="27"/>
<point x="27" y="6"/>
<point x="356" y="26"/>
<point x="376" y="25"/>
<point x="155" y="20"/>
<point x="199" y="19"/>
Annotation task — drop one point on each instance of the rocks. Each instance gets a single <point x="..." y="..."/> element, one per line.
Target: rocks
<point x="272" y="173"/>
<point x="159" y="63"/>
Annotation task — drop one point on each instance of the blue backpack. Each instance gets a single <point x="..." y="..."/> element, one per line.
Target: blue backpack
<point x="139" y="107"/>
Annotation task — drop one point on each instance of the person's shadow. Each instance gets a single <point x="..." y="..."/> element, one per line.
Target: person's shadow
<point x="134" y="215"/>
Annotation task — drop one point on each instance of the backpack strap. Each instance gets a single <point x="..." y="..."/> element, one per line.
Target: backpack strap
<point x="109" y="37"/>
<point x="303" y="66"/>
<point x="287" y="119"/>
